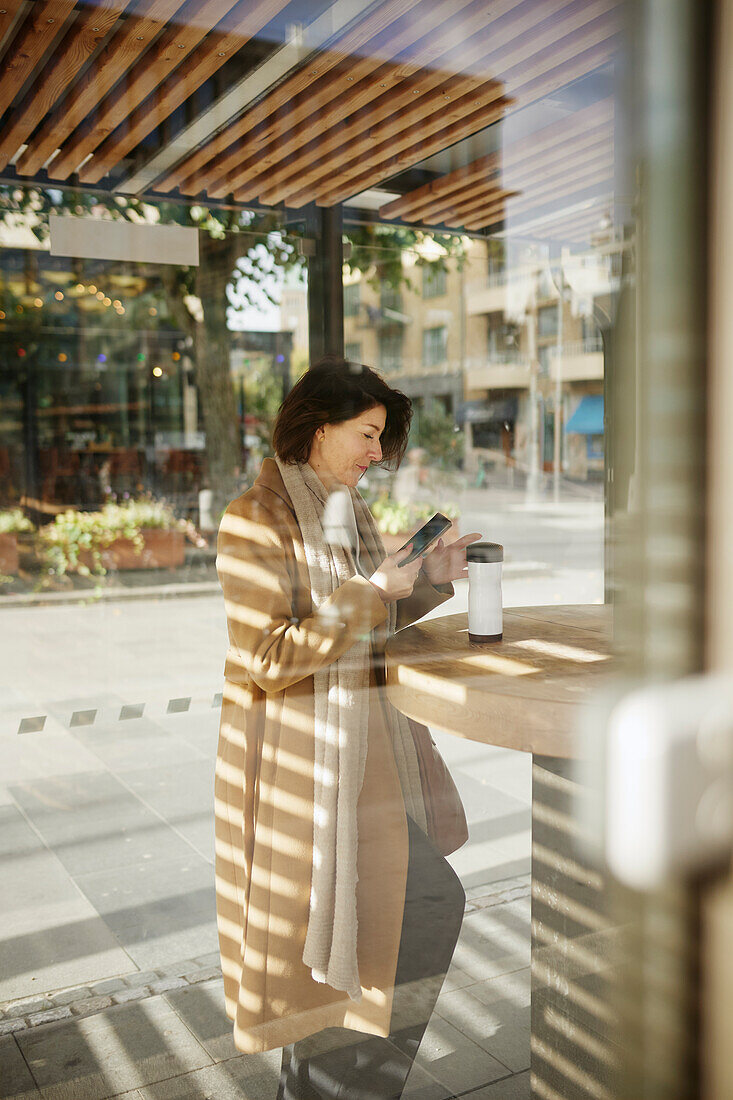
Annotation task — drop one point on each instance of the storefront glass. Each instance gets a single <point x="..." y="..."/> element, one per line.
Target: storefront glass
<point x="197" y="201"/>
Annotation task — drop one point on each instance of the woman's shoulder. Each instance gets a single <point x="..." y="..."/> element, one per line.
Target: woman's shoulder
<point x="268" y="492"/>
<point x="265" y="503"/>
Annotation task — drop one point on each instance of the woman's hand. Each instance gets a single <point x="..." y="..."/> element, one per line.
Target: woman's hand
<point x="444" y="564"/>
<point x="393" y="582"/>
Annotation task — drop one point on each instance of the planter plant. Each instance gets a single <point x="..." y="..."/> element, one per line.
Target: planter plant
<point x="12" y="523"/>
<point x="136" y="534"/>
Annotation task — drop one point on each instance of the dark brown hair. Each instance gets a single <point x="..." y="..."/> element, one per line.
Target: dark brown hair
<point x="334" y="390"/>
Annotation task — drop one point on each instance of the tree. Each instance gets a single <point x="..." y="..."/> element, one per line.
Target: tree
<point x="377" y="250"/>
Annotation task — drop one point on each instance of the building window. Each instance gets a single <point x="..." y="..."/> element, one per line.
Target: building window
<point x="589" y="328"/>
<point x="543" y="354"/>
<point x="390" y="350"/>
<point x="390" y="297"/>
<point x="434" y="280"/>
<point x="547" y="321"/>
<point x="434" y="346"/>
<point x="352" y="299"/>
<point x="352" y="352"/>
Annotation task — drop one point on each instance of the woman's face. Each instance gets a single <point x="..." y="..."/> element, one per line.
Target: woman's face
<point x="341" y="453"/>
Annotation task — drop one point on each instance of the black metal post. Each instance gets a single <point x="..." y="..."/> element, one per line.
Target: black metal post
<point x="324" y="227"/>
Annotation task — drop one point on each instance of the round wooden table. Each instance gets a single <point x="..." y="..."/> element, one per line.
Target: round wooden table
<point x="523" y="693"/>
<point x="519" y="693"/>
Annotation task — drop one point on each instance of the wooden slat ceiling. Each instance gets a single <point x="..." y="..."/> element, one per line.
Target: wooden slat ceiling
<point x="551" y="164"/>
<point x="408" y="79"/>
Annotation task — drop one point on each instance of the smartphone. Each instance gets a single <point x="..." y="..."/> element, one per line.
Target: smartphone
<point x="426" y="536"/>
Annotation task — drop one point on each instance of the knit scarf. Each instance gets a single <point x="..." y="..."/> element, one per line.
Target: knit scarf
<point x="341" y="698"/>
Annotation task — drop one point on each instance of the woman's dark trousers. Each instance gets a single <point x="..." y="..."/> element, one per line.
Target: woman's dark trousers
<point x="338" y="1064"/>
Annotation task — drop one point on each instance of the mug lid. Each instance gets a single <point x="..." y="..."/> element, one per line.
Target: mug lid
<point x="485" y="552"/>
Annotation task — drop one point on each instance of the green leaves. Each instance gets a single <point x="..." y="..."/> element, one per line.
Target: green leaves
<point x="12" y="521"/>
<point x="73" y="534"/>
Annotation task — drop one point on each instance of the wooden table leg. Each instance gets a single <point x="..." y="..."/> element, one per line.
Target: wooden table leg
<point x="573" y="946"/>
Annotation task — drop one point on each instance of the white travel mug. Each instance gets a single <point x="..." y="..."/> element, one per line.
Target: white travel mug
<point x="485" y="622"/>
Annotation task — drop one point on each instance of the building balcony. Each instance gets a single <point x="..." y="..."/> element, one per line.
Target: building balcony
<point x="487" y="297"/>
<point x="577" y="362"/>
<point x="502" y="371"/>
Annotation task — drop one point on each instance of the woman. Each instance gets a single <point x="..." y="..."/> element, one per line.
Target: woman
<point x="332" y="903"/>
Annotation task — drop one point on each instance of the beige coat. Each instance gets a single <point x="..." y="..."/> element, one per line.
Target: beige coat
<point x="264" y="781"/>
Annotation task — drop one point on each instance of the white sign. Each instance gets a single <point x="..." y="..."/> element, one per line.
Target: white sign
<point x="94" y="239"/>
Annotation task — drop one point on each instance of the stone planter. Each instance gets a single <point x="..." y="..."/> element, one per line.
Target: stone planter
<point x="393" y="542"/>
<point x="8" y="554"/>
<point x="161" y="550"/>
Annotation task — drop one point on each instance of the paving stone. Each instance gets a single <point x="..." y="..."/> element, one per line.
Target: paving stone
<point x="68" y="996"/>
<point x="141" y="977"/>
<point x="16" y="1082"/>
<point x="496" y="1015"/>
<point x="49" y="1016"/>
<point x="174" y="970"/>
<point x="113" y="1052"/>
<point x="516" y="1087"/>
<point x="164" y="984"/>
<point x="231" y="1080"/>
<point x="14" y="1024"/>
<point x="205" y="975"/>
<point x="454" y="1060"/>
<point x="212" y="959"/>
<point x="24" y="1008"/>
<point x="91" y="1005"/>
<point x="126" y="995"/>
<point x="112" y="985"/>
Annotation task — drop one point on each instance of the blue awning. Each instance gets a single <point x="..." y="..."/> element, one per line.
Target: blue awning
<point x="588" y="417"/>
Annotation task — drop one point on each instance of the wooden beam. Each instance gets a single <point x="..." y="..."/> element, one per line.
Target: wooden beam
<point x="574" y="227"/>
<point x="527" y="67"/>
<point x="556" y="185"/>
<point x="168" y="51"/>
<point x="11" y="12"/>
<point x="494" y="196"/>
<point x="536" y="183"/>
<point x="419" y="147"/>
<point x="480" y="50"/>
<point x="555" y="77"/>
<point x="41" y="26"/>
<point x="129" y="42"/>
<point x="354" y="40"/>
<point x="89" y="30"/>
<point x="497" y="198"/>
<point x="432" y="195"/>
<point x="385" y="121"/>
<point x="521" y="168"/>
<point x="244" y="22"/>
<point x="233" y="169"/>
<point x="582" y="183"/>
